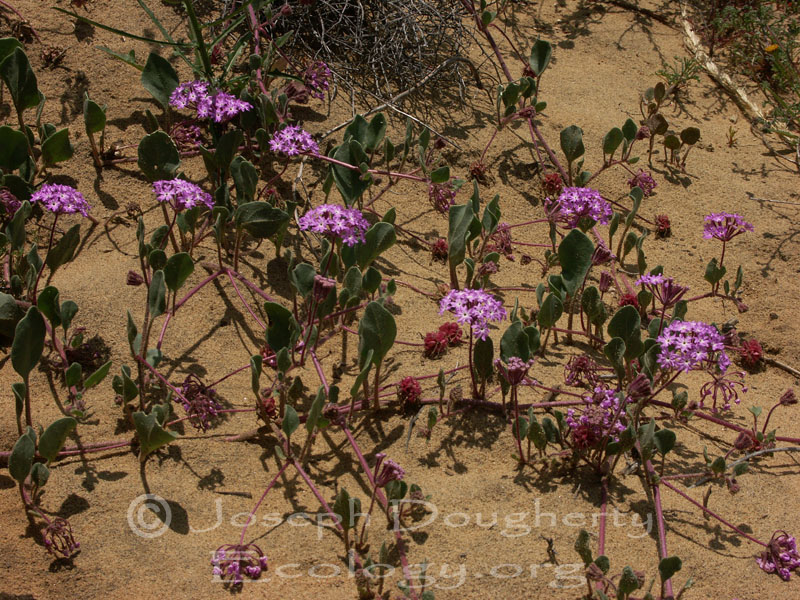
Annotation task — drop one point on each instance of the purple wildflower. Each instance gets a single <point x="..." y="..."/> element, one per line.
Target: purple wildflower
<point x="189" y="93"/>
<point x="500" y="241"/>
<point x="575" y="203"/>
<point x="322" y="287"/>
<point x="199" y="402"/>
<point x="293" y="140"/>
<point x="333" y="220"/>
<point x="442" y="197"/>
<point x="687" y="345"/>
<point x="61" y="199"/>
<point x="221" y="107"/>
<point x="581" y="370"/>
<point x="181" y="194"/>
<point x="724" y="226"/>
<point x="58" y="538"/>
<point x="386" y="470"/>
<point x="186" y="135"/>
<point x="644" y="181"/>
<point x="723" y="388"/>
<point x="781" y="555"/>
<point x="602" y="254"/>
<point x="665" y="290"/>
<point x="9" y="203"/>
<point x="515" y="369"/>
<point x="232" y="561"/>
<point x="317" y="79"/>
<point x="605" y="282"/>
<point x="474" y="307"/>
<point x="602" y="416"/>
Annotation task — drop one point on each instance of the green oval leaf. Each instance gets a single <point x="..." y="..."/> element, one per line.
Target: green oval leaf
<point x="260" y="219"/>
<point x="177" y="270"/>
<point x="21" y="459"/>
<point x="98" y="376"/>
<point x="575" y="255"/>
<point x="690" y="135"/>
<point x="150" y="433"/>
<point x="158" y="156"/>
<point x="64" y="251"/>
<point x="157" y="295"/>
<point x="94" y="117"/>
<point x="159" y="78"/>
<point x="57" y="148"/>
<point x="669" y="566"/>
<point x="572" y="142"/>
<point x="612" y="140"/>
<point x="28" y="344"/>
<point x="13" y="148"/>
<point x="550" y="312"/>
<point x="376" y="331"/>
<point x="440" y="175"/>
<point x="54" y="436"/>
<point x="290" y="421"/>
<point x="540" y="56"/>
<point x="283" y="329"/>
<point x="21" y="80"/>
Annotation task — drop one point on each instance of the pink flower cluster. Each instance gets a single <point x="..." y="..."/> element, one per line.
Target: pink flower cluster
<point x="442" y="196"/>
<point x="9" y="204"/>
<point x="317" y="79"/>
<point x="331" y="219"/>
<point x="515" y="370"/>
<point x="200" y="402"/>
<point x="233" y="561"/>
<point x="387" y="470"/>
<point x="293" y="140"/>
<point x="61" y="199"/>
<point x="473" y="307"/>
<point x="724" y="226"/>
<point x="644" y="181"/>
<point x="665" y="290"/>
<point x="220" y="106"/>
<point x="687" y="345"/>
<point x="600" y="418"/>
<point x="781" y="555"/>
<point x="181" y="194"/>
<point x="575" y="203"/>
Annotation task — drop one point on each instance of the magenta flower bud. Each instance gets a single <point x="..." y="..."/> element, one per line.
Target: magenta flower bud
<point x="390" y="471"/>
<point x="230" y="561"/>
<point x="640" y="388"/>
<point x="322" y="287"/>
<point x="515" y="370"/>
<point x="602" y="254"/>
<point x="442" y="196"/>
<point x="605" y="282"/>
<point x="133" y="278"/>
<point x="58" y="538"/>
<point x="788" y="398"/>
<point x="724" y="226"/>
